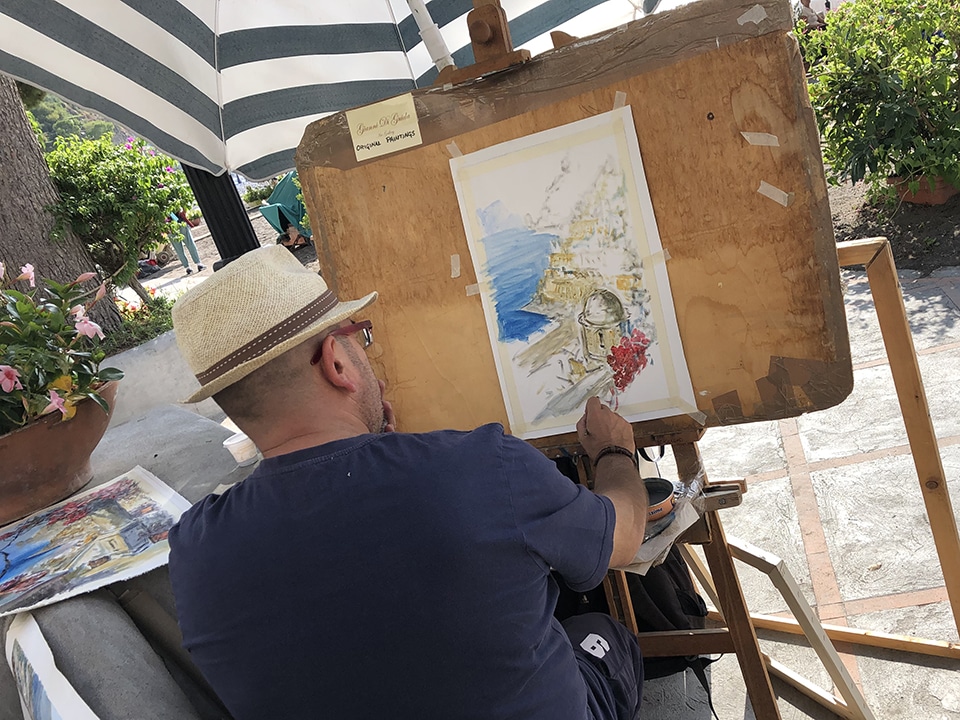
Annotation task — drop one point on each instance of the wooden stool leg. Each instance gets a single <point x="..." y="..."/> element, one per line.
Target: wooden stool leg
<point x="618" y="599"/>
<point x="732" y="604"/>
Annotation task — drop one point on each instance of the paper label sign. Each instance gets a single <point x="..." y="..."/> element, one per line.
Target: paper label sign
<point x="384" y="127"/>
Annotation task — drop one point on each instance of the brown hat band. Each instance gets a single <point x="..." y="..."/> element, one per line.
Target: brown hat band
<point x="271" y="338"/>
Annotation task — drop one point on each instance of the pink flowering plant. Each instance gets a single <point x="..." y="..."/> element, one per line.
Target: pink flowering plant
<point x="49" y="348"/>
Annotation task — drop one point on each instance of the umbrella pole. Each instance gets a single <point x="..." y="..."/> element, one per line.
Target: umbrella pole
<point x="224" y="213"/>
<point x="431" y="34"/>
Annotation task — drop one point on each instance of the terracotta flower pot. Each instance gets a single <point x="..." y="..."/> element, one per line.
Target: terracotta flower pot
<point x="941" y="192"/>
<point x="48" y="459"/>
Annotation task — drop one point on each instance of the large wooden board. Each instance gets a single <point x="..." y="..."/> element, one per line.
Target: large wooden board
<point x="755" y="282"/>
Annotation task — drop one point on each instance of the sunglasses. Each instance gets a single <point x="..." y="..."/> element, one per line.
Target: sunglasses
<point x="364" y="328"/>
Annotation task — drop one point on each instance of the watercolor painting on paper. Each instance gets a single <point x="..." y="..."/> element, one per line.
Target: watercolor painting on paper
<point x="112" y="532"/>
<point x="572" y="276"/>
<point x="45" y="693"/>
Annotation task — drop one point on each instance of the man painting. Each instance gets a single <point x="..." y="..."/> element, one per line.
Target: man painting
<point x="365" y="573"/>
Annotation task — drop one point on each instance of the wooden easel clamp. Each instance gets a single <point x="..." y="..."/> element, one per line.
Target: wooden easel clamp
<point x="491" y="43"/>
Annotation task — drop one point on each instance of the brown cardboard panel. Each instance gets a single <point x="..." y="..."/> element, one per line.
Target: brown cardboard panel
<point x="755" y="281"/>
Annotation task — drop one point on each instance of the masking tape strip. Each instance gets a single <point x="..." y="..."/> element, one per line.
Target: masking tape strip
<point x="473" y="289"/>
<point x="455" y="265"/>
<point x="699" y="417"/>
<point x="761" y="138"/>
<point x="454" y="150"/>
<point x="657" y="257"/>
<point x="754" y="15"/>
<point x="775" y="193"/>
<point x="619" y="100"/>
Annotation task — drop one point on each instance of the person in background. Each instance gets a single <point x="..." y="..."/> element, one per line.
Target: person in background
<point x="285" y="212"/>
<point x="361" y="572"/>
<point x="813" y="19"/>
<point x="185" y="239"/>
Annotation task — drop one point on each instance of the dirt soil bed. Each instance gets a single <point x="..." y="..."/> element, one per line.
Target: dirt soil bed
<point x="923" y="238"/>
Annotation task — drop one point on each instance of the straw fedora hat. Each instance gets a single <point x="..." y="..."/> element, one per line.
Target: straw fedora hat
<point x="251" y="311"/>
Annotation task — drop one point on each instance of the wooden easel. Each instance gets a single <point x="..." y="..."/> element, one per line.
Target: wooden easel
<point x="877" y="257"/>
<point x="719" y="102"/>
<point x="739" y="636"/>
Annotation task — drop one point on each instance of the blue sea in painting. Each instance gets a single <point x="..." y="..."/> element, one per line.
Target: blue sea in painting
<point x="516" y="259"/>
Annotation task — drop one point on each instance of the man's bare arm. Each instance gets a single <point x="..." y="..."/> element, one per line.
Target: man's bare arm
<point x="617" y="477"/>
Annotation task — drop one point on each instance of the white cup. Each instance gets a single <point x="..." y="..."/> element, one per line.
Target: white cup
<point x="242" y="449"/>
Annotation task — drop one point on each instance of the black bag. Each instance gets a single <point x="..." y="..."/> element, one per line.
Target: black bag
<point x="665" y="599"/>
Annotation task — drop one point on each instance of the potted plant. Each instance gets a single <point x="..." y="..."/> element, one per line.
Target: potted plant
<point x="55" y="399"/>
<point x="886" y="90"/>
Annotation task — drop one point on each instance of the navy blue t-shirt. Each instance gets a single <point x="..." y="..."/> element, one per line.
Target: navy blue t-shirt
<point x="391" y="576"/>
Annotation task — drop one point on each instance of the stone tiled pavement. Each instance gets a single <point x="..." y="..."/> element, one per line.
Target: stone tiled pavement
<point x="836" y="496"/>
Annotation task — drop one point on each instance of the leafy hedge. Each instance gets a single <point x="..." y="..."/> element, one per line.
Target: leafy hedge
<point x="116" y="198"/>
<point x="886" y="90"/>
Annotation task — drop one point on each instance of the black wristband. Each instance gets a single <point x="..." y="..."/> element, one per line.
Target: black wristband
<point x="617" y="450"/>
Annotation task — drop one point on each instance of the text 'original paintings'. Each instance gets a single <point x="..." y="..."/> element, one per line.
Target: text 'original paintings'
<point x="112" y="532"/>
<point x="572" y="275"/>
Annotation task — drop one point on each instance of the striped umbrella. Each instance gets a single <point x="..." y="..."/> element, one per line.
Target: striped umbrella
<point x="232" y="84"/>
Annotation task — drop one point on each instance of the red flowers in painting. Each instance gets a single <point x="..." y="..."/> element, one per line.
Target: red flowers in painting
<point x="627" y="358"/>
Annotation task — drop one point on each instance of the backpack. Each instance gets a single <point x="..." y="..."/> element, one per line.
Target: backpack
<point x="665" y="599"/>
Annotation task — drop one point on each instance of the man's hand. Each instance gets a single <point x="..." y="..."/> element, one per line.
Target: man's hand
<point x="601" y="427"/>
<point x="389" y="418"/>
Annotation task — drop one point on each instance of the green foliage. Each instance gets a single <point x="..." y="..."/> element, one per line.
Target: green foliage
<point x="49" y="351"/>
<point x="305" y="220"/>
<point x="37" y="130"/>
<point x="54" y="116"/>
<point x="886" y="90"/>
<point x="255" y="194"/>
<point x="140" y="323"/>
<point x="97" y="128"/>
<point x="116" y="198"/>
<point x="61" y="119"/>
<point x="30" y="96"/>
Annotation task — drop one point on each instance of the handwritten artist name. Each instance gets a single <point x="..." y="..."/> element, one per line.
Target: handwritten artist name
<point x="384" y="122"/>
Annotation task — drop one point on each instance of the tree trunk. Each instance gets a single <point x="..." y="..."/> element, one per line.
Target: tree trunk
<point x="25" y="191"/>
<point x="135" y="285"/>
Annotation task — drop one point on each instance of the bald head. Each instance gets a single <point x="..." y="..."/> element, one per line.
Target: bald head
<point x="267" y="392"/>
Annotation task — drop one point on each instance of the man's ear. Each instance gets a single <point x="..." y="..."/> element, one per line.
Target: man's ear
<point x="335" y="365"/>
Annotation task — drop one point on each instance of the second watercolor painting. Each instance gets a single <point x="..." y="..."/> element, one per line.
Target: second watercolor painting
<point x="572" y="276"/>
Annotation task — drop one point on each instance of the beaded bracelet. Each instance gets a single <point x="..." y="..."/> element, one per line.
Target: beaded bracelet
<point x="617" y="450"/>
